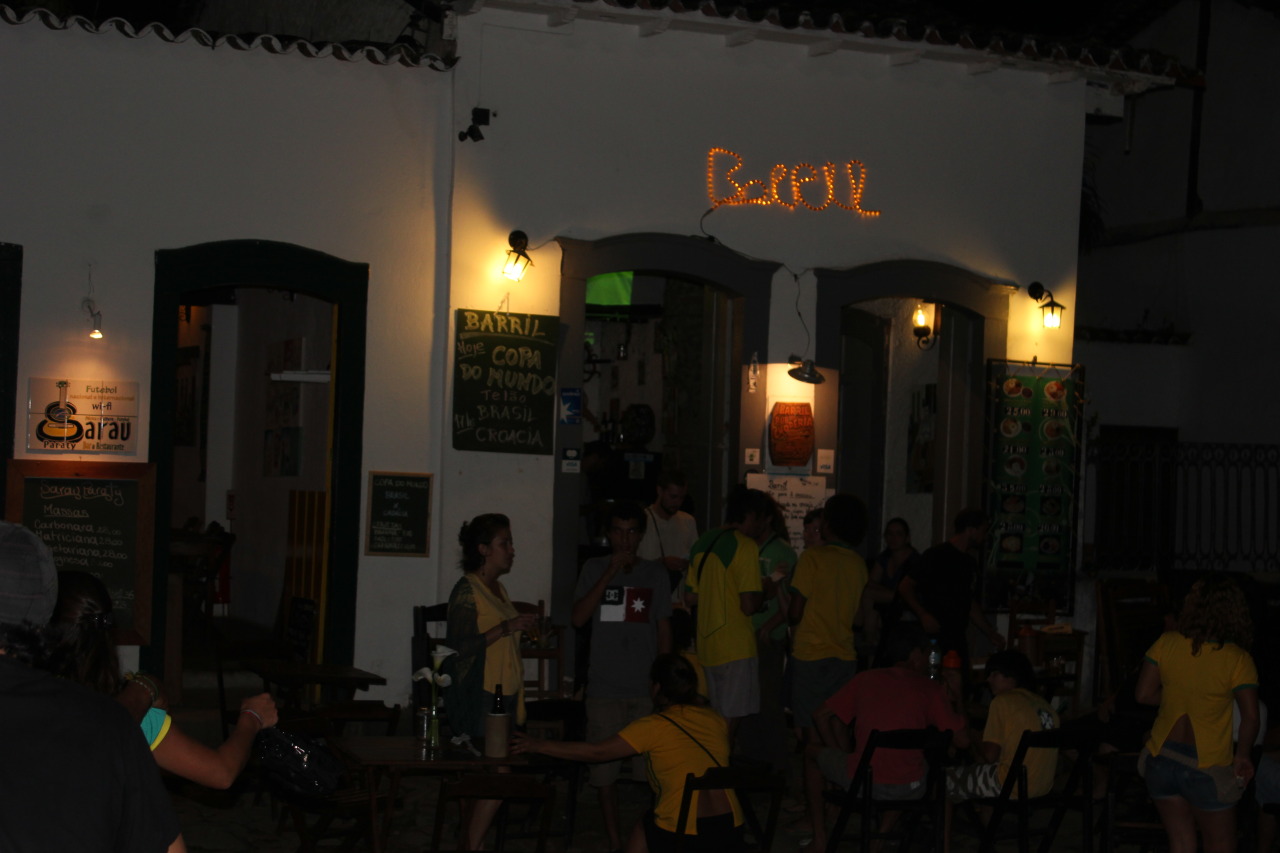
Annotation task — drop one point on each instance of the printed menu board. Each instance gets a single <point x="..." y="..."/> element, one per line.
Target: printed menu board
<point x="1034" y="421"/>
<point x="504" y="381"/>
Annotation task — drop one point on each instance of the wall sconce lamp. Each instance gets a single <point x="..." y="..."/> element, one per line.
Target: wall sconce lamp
<point x="479" y="119"/>
<point x="1050" y="311"/>
<point x="95" y="318"/>
<point x="926" y="332"/>
<point x="804" y="371"/>
<point x="517" y="256"/>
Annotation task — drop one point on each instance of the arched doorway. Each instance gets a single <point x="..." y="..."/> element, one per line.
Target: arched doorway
<point x="742" y="288"/>
<point x="224" y="267"/>
<point x="887" y="385"/>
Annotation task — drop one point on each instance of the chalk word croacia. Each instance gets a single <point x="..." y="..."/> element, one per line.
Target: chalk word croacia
<point x="785" y="186"/>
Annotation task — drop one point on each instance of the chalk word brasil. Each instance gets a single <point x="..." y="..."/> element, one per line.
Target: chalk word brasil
<point x="785" y="186"/>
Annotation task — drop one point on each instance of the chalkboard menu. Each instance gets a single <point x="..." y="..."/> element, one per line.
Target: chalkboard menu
<point x="97" y="518"/>
<point x="504" y="382"/>
<point x="1033" y="479"/>
<point x="399" y="517"/>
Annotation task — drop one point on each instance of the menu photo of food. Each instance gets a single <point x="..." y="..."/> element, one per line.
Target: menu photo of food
<point x="1014" y="387"/>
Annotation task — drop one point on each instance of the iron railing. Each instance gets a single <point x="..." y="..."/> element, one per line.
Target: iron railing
<point x="1177" y="505"/>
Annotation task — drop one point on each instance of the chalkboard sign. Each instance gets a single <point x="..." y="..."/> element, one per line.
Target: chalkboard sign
<point x="399" y="517"/>
<point x="504" y="382"/>
<point x="97" y="518"/>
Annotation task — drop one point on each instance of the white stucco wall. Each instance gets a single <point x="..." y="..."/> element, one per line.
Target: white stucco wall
<point x="599" y="131"/>
<point x="117" y="148"/>
<point x="121" y="147"/>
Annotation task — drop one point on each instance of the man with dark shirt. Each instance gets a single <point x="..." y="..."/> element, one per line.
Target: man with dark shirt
<point x="939" y="588"/>
<point x="76" y="773"/>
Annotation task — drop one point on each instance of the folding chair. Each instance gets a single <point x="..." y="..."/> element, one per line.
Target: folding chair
<point x="742" y="781"/>
<point x="859" y="796"/>
<point x="508" y="787"/>
<point x="1076" y="794"/>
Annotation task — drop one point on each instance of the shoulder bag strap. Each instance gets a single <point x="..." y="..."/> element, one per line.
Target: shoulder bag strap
<point x="691" y="737"/>
<point x="656" y="532"/>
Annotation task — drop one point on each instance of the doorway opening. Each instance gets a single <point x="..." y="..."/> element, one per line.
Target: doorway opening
<point x="659" y="376"/>
<point x="257" y="396"/>
<point x="911" y="418"/>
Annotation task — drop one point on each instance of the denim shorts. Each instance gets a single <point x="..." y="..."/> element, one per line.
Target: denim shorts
<point x="1167" y="777"/>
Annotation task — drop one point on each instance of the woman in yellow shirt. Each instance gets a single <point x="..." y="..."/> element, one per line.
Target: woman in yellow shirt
<point x="1195" y="674"/>
<point x="682" y="736"/>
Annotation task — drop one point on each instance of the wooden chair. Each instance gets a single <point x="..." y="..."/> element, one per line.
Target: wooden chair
<point x="545" y="650"/>
<point x="1076" y="794"/>
<point x="859" y="798"/>
<point x="508" y="787"/>
<point x="742" y="781"/>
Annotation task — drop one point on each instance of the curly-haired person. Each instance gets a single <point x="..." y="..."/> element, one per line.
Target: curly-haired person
<point x="1195" y="674"/>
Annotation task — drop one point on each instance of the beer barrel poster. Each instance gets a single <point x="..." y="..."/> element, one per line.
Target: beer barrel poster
<point x="504" y="381"/>
<point x="97" y="518"/>
<point x="1035" y="458"/>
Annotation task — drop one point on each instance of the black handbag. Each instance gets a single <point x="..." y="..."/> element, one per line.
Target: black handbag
<point x="297" y="764"/>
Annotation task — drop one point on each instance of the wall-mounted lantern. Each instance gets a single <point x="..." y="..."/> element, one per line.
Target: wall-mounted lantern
<point x="517" y="256"/>
<point x="1050" y="311"/>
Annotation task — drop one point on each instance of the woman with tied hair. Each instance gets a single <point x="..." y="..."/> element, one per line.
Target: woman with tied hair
<point x="683" y="735"/>
<point x="484" y="629"/>
<point x="1195" y="674"/>
<point x="84" y="651"/>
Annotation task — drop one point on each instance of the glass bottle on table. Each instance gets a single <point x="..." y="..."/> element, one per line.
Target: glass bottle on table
<point x="497" y="727"/>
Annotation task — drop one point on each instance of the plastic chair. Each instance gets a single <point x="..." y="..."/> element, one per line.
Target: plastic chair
<point x="742" y="781"/>
<point x="858" y="797"/>
<point x="508" y="787"/>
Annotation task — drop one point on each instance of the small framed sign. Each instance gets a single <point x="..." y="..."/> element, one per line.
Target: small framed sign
<point x="398" y="520"/>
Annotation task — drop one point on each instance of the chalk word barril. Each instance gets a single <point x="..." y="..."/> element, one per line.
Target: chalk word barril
<point x="792" y="178"/>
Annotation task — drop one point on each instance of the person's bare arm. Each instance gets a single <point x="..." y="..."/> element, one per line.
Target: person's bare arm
<point x="907" y="590"/>
<point x="990" y="752"/>
<point x="606" y="750"/>
<point x="831" y="729"/>
<point x="750" y="602"/>
<point x="1242" y="763"/>
<point x="178" y="845"/>
<point x="796" y="611"/>
<point x="217" y="768"/>
<point x="979" y="620"/>
<point x="1149" y="689"/>
<point x="664" y="636"/>
<point x="585" y="606"/>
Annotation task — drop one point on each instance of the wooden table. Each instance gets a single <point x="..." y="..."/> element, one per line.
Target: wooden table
<point x="397" y="755"/>
<point x="292" y="676"/>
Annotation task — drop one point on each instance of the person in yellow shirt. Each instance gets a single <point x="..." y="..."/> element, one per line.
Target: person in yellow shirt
<point x="724" y="584"/>
<point x="682" y="736"/>
<point x="1196" y="674"/>
<point x="826" y="595"/>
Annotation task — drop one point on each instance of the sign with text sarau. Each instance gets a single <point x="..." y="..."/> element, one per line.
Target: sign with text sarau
<point x="82" y="416"/>
<point x="1033" y="479"/>
<point x="504" y="381"/>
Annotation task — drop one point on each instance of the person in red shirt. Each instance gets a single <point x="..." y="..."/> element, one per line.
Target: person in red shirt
<point x="898" y="696"/>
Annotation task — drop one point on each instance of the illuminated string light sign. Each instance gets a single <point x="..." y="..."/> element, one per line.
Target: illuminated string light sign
<point x="787" y="186"/>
